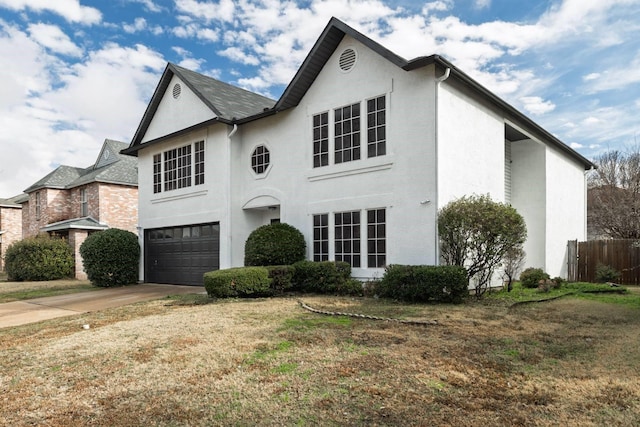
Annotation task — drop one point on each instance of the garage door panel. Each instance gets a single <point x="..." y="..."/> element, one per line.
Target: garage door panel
<point x="178" y="257"/>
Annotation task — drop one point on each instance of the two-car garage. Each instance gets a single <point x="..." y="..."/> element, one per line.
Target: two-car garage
<point x="180" y="255"/>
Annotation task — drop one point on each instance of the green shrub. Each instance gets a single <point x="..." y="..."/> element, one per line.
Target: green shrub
<point x="39" y="258"/>
<point x="606" y="273"/>
<point x="531" y="277"/>
<point x="326" y="277"/>
<point x="238" y="282"/>
<point x="423" y="283"/>
<point x="111" y="257"/>
<point x="281" y="277"/>
<point x="274" y="244"/>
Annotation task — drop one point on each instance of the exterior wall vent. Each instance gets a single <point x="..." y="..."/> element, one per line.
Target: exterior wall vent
<point x="347" y="59"/>
<point x="177" y="89"/>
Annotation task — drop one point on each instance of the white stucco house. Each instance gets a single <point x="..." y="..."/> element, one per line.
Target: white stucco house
<point x="359" y="153"/>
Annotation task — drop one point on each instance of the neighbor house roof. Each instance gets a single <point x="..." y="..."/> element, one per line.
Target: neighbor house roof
<point x="85" y="223"/>
<point x="13" y="202"/>
<point x="226" y="104"/>
<point x="111" y="167"/>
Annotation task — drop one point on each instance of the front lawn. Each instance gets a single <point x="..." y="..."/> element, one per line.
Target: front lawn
<point x="194" y="361"/>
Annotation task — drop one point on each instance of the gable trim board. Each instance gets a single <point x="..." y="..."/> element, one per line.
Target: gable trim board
<point x="440" y="143"/>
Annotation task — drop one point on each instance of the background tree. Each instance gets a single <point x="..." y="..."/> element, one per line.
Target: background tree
<point x="476" y="233"/>
<point x="614" y="195"/>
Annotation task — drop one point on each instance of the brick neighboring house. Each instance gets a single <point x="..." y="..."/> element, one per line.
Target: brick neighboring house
<point x="10" y="224"/>
<point x="73" y="202"/>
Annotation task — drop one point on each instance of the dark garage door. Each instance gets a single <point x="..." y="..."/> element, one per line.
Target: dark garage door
<point x="181" y="255"/>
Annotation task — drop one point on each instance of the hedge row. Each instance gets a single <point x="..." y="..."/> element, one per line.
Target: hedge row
<point x="402" y="282"/>
<point x="422" y="283"/>
<point x="39" y="258"/>
<point x="304" y="276"/>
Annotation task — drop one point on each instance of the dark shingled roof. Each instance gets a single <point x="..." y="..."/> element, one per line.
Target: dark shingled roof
<point x="85" y="223"/>
<point x="121" y="170"/>
<point x="232" y="105"/>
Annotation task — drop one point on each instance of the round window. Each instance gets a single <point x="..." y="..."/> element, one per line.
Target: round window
<point x="260" y="159"/>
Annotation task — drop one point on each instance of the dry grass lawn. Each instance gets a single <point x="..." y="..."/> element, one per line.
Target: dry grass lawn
<point x="570" y="362"/>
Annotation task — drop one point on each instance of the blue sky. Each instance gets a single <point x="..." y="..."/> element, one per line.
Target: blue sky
<point x="75" y="72"/>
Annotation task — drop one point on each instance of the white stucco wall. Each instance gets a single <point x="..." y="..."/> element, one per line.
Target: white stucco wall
<point x="528" y="196"/>
<point x="470" y="147"/>
<point x="566" y="208"/>
<point x="176" y="114"/>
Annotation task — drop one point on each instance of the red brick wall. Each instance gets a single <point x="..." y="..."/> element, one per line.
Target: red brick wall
<point x="11" y="224"/>
<point x="119" y="206"/>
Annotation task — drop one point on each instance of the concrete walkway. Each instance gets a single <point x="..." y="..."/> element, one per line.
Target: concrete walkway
<point x="35" y="310"/>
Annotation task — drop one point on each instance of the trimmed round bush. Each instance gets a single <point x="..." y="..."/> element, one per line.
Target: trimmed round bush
<point x="274" y="244"/>
<point x="531" y="277"/>
<point x="111" y="257"/>
<point x="39" y="258"/>
<point x="243" y="282"/>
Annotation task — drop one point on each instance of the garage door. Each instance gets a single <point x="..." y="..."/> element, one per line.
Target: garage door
<point x="181" y="255"/>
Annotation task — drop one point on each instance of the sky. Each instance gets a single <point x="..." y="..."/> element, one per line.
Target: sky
<point x="77" y="72"/>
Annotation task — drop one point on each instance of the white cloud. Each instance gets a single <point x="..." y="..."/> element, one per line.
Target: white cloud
<point x="536" y="105"/>
<point x="440" y="6"/>
<point x="482" y="4"/>
<point x="70" y="10"/>
<point x="139" y="24"/>
<point x="591" y="76"/>
<point x="618" y="77"/>
<point x="576" y="145"/>
<point x="149" y="5"/>
<point x="207" y="10"/>
<point x="52" y="37"/>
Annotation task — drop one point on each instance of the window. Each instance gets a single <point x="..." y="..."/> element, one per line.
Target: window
<point x="376" y="238"/>
<point x="157" y="173"/>
<point x="84" y="208"/>
<point x="170" y="170"/>
<point x="347" y="237"/>
<point x="199" y="162"/>
<point x="321" y="237"/>
<point x="347" y="133"/>
<point x="376" y="131"/>
<point x="184" y="166"/>
<point x="320" y="140"/>
<point x="175" y="167"/>
<point x="38" y="206"/>
<point x="260" y="159"/>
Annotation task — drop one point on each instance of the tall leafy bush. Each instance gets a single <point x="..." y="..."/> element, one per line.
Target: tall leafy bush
<point x="39" y="258"/>
<point x="476" y="233"/>
<point x="111" y="257"/>
<point x="274" y="244"/>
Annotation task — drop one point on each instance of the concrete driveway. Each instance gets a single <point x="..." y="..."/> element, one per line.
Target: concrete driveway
<point x="34" y="310"/>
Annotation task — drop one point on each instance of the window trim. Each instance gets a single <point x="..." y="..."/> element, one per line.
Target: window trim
<point x="179" y="167"/>
<point x="84" y="203"/>
<point x="267" y="170"/>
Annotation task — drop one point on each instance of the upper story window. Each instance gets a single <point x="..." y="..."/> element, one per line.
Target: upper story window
<point x="260" y="159"/>
<point x="320" y="140"/>
<point x="84" y="205"/>
<point x="38" y="206"/>
<point x="174" y="169"/>
<point x="376" y="127"/>
<point x="347" y="133"/>
<point x="346" y="129"/>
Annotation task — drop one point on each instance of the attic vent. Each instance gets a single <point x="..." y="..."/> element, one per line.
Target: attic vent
<point x="177" y="89"/>
<point x="347" y="59"/>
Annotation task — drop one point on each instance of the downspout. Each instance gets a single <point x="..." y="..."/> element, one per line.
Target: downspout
<point x="229" y="193"/>
<point x="439" y="80"/>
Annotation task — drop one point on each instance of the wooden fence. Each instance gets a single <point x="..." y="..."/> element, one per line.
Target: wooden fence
<point x="622" y="255"/>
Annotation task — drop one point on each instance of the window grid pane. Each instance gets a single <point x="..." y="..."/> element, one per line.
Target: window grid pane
<point x="170" y="170"/>
<point x="320" y="140"/>
<point x="321" y="237"/>
<point x="199" y="162"/>
<point x="376" y="238"/>
<point x="347" y="237"/>
<point x="376" y="127"/>
<point x="157" y="173"/>
<point x="184" y="166"/>
<point x="260" y="159"/>
<point x="347" y="133"/>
